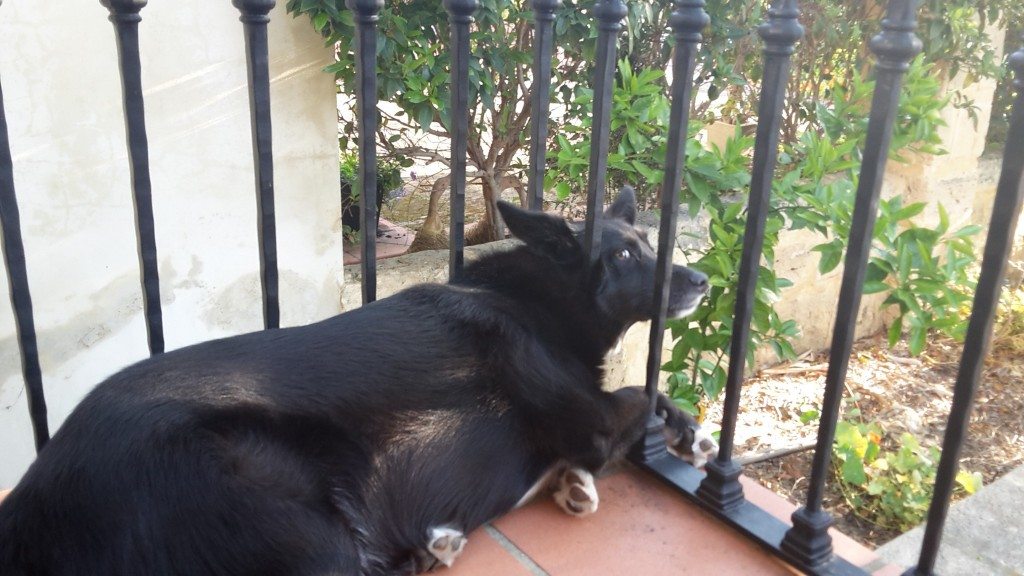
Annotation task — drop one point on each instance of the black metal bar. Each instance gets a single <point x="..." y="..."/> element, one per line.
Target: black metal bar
<point x="609" y="14"/>
<point x="366" y="12"/>
<point x="255" y="16"/>
<point x="17" y="284"/>
<point x="780" y="33"/>
<point x="758" y="525"/>
<point x="1005" y="212"/>
<point x="125" y="16"/>
<point x="687" y="21"/>
<point x="460" y="15"/>
<point x="543" y="49"/>
<point x="808" y="541"/>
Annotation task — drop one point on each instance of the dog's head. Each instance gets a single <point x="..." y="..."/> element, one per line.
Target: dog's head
<point x="622" y="274"/>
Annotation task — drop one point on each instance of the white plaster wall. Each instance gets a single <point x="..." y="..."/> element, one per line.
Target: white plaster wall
<point x="63" y="99"/>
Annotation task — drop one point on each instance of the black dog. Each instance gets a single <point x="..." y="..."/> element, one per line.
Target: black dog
<point x="369" y="443"/>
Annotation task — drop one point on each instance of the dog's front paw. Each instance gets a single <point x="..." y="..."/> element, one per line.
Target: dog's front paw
<point x="704" y="448"/>
<point x="444" y="545"/>
<point x="576" y="492"/>
<point x="684" y="435"/>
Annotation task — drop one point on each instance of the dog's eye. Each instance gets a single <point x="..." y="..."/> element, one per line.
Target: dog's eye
<point x="622" y="254"/>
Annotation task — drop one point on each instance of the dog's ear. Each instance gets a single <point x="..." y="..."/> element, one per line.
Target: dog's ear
<point x="624" y="206"/>
<point x="544" y="234"/>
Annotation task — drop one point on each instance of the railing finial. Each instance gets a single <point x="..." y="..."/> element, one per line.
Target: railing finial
<point x="255" y="16"/>
<point x="366" y="11"/>
<point x="782" y="29"/>
<point x="688" y="20"/>
<point x="255" y="10"/>
<point x="896" y="45"/>
<point x="610" y="14"/>
<point x="461" y="11"/>
<point x="125" y="10"/>
<point x="1016" y="64"/>
<point x="721" y="488"/>
<point x="544" y="10"/>
<point x="1006" y="209"/>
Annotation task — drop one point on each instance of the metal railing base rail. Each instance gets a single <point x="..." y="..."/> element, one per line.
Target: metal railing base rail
<point x="746" y="517"/>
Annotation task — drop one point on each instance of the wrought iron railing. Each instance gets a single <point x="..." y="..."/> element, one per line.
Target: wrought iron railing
<point x="806" y="543"/>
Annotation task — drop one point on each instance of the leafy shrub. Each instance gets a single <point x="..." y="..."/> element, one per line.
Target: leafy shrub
<point x="698" y="365"/>
<point x="891" y="488"/>
<point x="639" y="131"/>
<point x="389" y="177"/>
<point x="924" y="271"/>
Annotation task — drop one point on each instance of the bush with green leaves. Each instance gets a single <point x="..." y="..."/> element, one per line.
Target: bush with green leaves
<point x="924" y="271"/>
<point x="413" y="67"/>
<point x="639" y="118"/>
<point x="887" y="483"/>
<point x="697" y="367"/>
<point x="414" y="58"/>
<point x="389" y="177"/>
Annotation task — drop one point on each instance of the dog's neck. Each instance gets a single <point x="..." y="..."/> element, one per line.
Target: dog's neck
<point x="557" y="295"/>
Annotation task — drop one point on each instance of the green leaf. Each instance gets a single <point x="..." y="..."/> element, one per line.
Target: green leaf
<point x="562" y="191"/>
<point x="686" y="405"/>
<point x="320" y="21"/>
<point x="808" y="416"/>
<point x="909" y="211"/>
<point x="969" y="230"/>
<point x="943" y="219"/>
<point x="425" y="116"/>
<point x="831" y="255"/>
<point x="853" y="471"/>
<point x="895" y="331"/>
<point x="918" y="338"/>
<point x="875" y="287"/>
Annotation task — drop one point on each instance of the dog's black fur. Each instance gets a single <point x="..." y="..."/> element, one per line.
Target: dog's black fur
<point x="333" y="448"/>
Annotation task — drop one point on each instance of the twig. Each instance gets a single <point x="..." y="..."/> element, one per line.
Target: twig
<point x="794" y="369"/>
<point x="772" y="455"/>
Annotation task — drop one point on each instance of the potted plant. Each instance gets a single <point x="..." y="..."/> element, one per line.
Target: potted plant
<point x="389" y="177"/>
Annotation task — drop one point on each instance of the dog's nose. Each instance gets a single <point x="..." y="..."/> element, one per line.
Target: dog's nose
<point x="700" y="281"/>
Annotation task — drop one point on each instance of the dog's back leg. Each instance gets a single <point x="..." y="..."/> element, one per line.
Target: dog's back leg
<point x="444" y="545"/>
<point x="576" y="493"/>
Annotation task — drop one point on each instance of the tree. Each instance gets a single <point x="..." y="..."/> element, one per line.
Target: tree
<point x="413" y="75"/>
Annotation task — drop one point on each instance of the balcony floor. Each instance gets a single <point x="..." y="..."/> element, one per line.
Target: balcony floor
<point x="641" y="527"/>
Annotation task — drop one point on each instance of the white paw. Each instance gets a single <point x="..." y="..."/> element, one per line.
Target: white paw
<point x="445" y="544"/>
<point x="704" y="448"/>
<point x="576" y="492"/>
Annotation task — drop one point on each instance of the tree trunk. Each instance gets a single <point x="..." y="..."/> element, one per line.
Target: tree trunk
<point x="434" y="236"/>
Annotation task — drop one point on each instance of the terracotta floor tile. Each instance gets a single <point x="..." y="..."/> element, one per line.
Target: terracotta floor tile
<point x="483" y="555"/>
<point x="640" y="528"/>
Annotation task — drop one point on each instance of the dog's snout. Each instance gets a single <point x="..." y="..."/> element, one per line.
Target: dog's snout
<point x="699" y="281"/>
